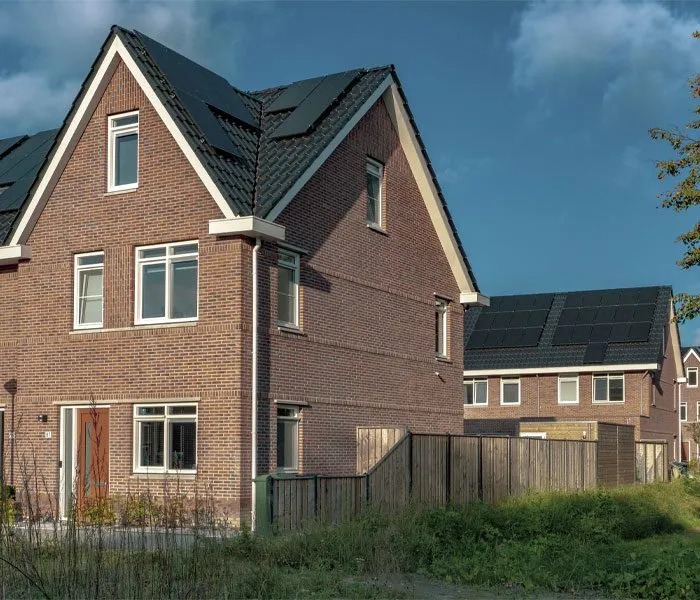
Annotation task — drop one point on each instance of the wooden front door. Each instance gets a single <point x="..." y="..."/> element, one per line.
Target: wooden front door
<point x="93" y="456"/>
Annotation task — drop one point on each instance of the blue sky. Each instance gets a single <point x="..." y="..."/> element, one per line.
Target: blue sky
<point x="535" y="115"/>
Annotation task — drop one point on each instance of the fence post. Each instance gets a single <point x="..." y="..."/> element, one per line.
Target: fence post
<point x="448" y="470"/>
<point x="315" y="496"/>
<point x="410" y="465"/>
<point x="368" y="497"/>
<point x="481" y="468"/>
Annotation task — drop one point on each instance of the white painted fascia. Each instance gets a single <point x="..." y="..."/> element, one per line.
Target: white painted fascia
<point x="551" y="370"/>
<point x="681" y="380"/>
<point x="250" y="226"/>
<point x="693" y="352"/>
<point x="79" y="120"/>
<point x="11" y="255"/>
<point x="474" y="299"/>
<point x="421" y="173"/>
<point x="675" y="340"/>
<point x="329" y="149"/>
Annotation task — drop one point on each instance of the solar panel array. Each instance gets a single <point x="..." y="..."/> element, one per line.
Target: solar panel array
<point x="606" y="317"/>
<point x="511" y="322"/>
<point x="201" y="90"/>
<point x="311" y="99"/>
<point x="8" y="144"/>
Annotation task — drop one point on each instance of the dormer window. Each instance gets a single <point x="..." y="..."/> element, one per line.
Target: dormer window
<point x="123" y="157"/>
<point x="375" y="172"/>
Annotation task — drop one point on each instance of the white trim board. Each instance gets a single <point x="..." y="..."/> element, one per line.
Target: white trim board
<point x="78" y="122"/>
<point x="550" y="370"/>
<point x="10" y="255"/>
<point x="691" y="351"/>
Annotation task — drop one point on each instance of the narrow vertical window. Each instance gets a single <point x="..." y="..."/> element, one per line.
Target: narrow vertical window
<point x="375" y="172"/>
<point x="441" y="328"/>
<point x="88" y="291"/>
<point x="684" y="411"/>
<point x="288" y="289"/>
<point x="692" y="375"/>
<point x="123" y="152"/>
<point x="288" y="439"/>
<point x="167" y="283"/>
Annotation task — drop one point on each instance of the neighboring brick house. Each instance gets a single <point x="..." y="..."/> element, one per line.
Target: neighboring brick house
<point x="690" y="402"/>
<point x="605" y="355"/>
<point x="188" y="248"/>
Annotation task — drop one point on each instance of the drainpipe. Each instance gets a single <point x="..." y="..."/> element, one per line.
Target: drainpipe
<point x="254" y="389"/>
<point x="538" y="394"/>
<point x="641" y="395"/>
<point x="680" y="426"/>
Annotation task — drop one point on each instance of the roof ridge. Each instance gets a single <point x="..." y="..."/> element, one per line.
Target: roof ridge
<point x="593" y="290"/>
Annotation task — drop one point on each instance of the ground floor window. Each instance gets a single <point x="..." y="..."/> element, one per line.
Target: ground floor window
<point x="165" y="438"/>
<point x="288" y="438"/>
<point x="476" y="392"/>
<point x="608" y="388"/>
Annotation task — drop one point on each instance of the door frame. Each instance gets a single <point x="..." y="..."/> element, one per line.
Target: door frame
<point x="74" y="451"/>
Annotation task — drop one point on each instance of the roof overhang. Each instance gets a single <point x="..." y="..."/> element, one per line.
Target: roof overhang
<point x="675" y="336"/>
<point x="474" y="299"/>
<point x="11" y="255"/>
<point x="249" y="226"/>
<point x="692" y="352"/>
<point x="567" y="369"/>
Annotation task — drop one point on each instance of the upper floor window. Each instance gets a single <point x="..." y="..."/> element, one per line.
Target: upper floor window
<point x="568" y="389"/>
<point x="123" y="152"/>
<point x="165" y="438"/>
<point x="476" y="392"/>
<point x="684" y="411"/>
<point x="441" y="327"/>
<point x="288" y="289"/>
<point x="88" y="292"/>
<point x="510" y="390"/>
<point x="375" y="172"/>
<point x="167" y="283"/>
<point x="692" y="374"/>
<point x="608" y="388"/>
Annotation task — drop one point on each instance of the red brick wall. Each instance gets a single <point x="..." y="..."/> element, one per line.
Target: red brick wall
<point x="365" y="355"/>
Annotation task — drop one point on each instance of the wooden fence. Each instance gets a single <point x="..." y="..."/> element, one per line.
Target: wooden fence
<point x="651" y="462"/>
<point x="435" y="470"/>
<point x="373" y="443"/>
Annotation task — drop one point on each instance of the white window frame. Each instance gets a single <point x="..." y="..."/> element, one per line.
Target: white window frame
<point x="442" y="307"/>
<point x="295" y="418"/>
<point x="567" y="379"/>
<point x="166" y="418"/>
<point x="77" y="270"/>
<point x="375" y="168"/>
<point x="294" y="264"/>
<point x="473" y="382"/>
<point x="510" y="380"/>
<point x="114" y="133"/>
<point x="697" y="409"/>
<point x="687" y="374"/>
<point x="168" y="259"/>
<point x="683" y="408"/>
<point x="609" y="376"/>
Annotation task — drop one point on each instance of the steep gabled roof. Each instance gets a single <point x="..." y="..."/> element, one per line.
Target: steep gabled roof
<point x="21" y="159"/>
<point x="622" y="326"/>
<point x="253" y="150"/>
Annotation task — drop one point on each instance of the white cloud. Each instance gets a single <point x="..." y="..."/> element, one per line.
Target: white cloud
<point x="638" y="56"/>
<point x="47" y="47"/>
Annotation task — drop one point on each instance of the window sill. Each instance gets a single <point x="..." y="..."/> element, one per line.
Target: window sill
<point x="609" y="402"/>
<point x="510" y="403"/>
<point x="476" y="405"/>
<point x="134" y="327"/>
<point x="118" y="192"/>
<point x="377" y="228"/>
<point x="161" y="476"/>
<point x="444" y="359"/>
<point x="292" y="330"/>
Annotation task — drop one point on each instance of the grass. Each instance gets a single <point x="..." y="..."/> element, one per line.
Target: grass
<point x="636" y="542"/>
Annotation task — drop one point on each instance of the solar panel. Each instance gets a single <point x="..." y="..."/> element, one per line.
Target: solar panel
<point x="294" y="95"/>
<point x="502" y="320"/>
<point x="619" y="332"/>
<point x="509" y="303"/>
<point x="595" y="353"/>
<point x="624" y="313"/>
<point x="207" y="123"/>
<point x="477" y="339"/>
<point x="601" y="333"/>
<point x="610" y="299"/>
<point x="531" y="336"/>
<point x="512" y="338"/>
<point x="639" y="332"/>
<point x="585" y="316"/>
<point x="8" y="144"/>
<point x="15" y="194"/>
<point x="519" y="319"/>
<point x="562" y="335"/>
<point x="581" y="334"/>
<point x="484" y="321"/>
<point x="644" y="312"/>
<point x="648" y="295"/>
<point x="629" y="296"/>
<point x="187" y="76"/>
<point x="26" y="156"/>
<point x="537" y="318"/>
<point x="494" y="338"/>
<point x="605" y="314"/>
<point x="568" y="316"/>
<point x="315" y="105"/>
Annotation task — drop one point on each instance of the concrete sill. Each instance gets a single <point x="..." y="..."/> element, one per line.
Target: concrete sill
<point x="163" y="476"/>
<point x="443" y="359"/>
<point x="377" y="228"/>
<point x="134" y="328"/>
<point x="120" y="192"/>
<point x="292" y="330"/>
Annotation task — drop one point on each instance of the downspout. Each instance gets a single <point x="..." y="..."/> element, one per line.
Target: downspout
<point x="538" y="394"/>
<point x="254" y="390"/>
<point x="641" y="395"/>
<point x="680" y="426"/>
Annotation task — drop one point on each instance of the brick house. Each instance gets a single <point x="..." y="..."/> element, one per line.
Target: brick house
<point x="188" y="251"/>
<point x="690" y="402"/>
<point x="573" y="358"/>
